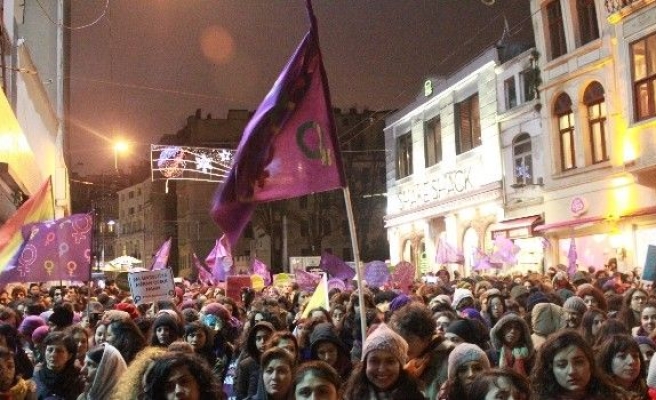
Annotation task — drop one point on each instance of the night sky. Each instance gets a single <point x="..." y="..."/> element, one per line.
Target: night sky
<point x="145" y="66"/>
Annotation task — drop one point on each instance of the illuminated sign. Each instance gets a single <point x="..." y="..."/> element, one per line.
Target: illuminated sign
<point x="438" y="188"/>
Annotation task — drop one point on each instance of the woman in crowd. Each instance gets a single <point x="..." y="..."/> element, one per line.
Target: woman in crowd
<point x="99" y="333"/>
<point x="609" y="328"/>
<point x="592" y="320"/>
<point x="647" y="320"/>
<point x="126" y="337"/>
<point x="12" y="385"/>
<point x="499" y="384"/>
<point x="592" y="297"/>
<point x="165" y="330"/>
<point x="381" y="374"/>
<point x="512" y="345"/>
<point x="9" y="339"/>
<point x="82" y="339"/>
<point x="130" y="385"/>
<point x="565" y="368"/>
<point x="277" y="375"/>
<point x="248" y="369"/>
<point x="315" y="380"/>
<point x="103" y="366"/>
<point x="178" y="375"/>
<point x="634" y="301"/>
<point x="59" y="377"/>
<point x="494" y="309"/>
<point x="466" y="362"/>
<point x="200" y="337"/>
<point x="442" y="321"/>
<point x="285" y="340"/>
<point x="325" y="345"/>
<point x="619" y="357"/>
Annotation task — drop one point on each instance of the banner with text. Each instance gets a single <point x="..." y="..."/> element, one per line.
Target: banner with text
<point x="151" y="286"/>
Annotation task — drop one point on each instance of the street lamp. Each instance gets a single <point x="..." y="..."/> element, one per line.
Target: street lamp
<point x="119" y="146"/>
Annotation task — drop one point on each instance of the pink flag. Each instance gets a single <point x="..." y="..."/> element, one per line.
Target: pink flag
<point x="403" y="275"/>
<point x="162" y="256"/>
<point x="219" y="261"/>
<point x="306" y="280"/>
<point x="571" y="258"/>
<point x="262" y="270"/>
<point x="204" y="275"/>
<point x="447" y="254"/>
<point x="289" y="143"/>
<point x="505" y="251"/>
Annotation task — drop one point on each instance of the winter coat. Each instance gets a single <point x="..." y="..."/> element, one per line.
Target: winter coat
<point x="495" y="353"/>
<point x="248" y="368"/>
<point x="436" y="360"/>
<point x="546" y="318"/>
<point x="325" y="332"/>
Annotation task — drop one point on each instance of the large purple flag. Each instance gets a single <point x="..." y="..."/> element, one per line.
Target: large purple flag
<point x="336" y="267"/>
<point x="54" y="250"/>
<point x="289" y="148"/>
<point x="162" y="256"/>
<point x="505" y="251"/>
<point x="447" y="254"/>
<point x="219" y="261"/>
<point x="262" y="270"/>
<point x="204" y="275"/>
<point x="376" y="273"/>
<point x="571" y="258"/>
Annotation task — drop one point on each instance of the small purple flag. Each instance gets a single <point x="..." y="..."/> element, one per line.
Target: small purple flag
<point x="447" y="254"/>
<point x="204" y="275"/>
<point x="219" y="261"/>
<point x="376" y="273"/>
<point x="262" y="270"/>
<point x="335" y="283"/>
<point x="571" y="258"/>
<point x="336" y="267"/>
<point x="162" y="256"/>
<point x="505" y="251"/>
<point x="54" y="250"/>
<point x="290" y="142"/>
<point x="403" y="276"/>
<point x="306" y="280"/>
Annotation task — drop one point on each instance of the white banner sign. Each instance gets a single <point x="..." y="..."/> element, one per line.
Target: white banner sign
<point x="151" y="286"/>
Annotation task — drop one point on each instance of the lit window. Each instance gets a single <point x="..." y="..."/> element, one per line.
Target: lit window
<point x="404" y="155"/>
<point x="594" y="100"/>
<point x="523" y="159"/>
<point x="468" y="121"/>
<point x="643" y="57"/>
<point x="565" y="120"/>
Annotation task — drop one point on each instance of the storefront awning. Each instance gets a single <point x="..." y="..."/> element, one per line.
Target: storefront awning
<point x="515" y="228"/>
<point x="641" y="212"/>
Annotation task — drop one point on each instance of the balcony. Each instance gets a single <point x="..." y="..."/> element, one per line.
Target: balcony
<point x="618" y="9"/>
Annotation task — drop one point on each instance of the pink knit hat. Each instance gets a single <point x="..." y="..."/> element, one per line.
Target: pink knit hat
<point x="383" y="338"/>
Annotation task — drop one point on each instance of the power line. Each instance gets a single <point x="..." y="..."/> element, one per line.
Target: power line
<point x="75" y="28"/>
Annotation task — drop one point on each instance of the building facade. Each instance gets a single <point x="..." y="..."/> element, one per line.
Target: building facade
<point x="32" y="103"/>
<point x="598" y="109"/>
<point x="444" y="167"/>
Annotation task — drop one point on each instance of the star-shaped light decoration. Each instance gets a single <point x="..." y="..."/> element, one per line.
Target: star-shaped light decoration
<point x="522" y="171"/>
<point x="203" y="163"/>
<point x="225" y="156"/>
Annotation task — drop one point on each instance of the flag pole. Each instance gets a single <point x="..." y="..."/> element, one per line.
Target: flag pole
<point x="356" y="259"/>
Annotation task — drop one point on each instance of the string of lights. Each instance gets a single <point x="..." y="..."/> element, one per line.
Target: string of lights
<point x="75" y="28"/>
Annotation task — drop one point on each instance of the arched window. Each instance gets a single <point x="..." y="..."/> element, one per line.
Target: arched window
<point x="522" y="159"/>
<point x="565" y="117"/>
<point x="595" y="102"/>
<point x="470" y="246"/>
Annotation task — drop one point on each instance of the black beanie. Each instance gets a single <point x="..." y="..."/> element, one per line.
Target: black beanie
<point x="62" y="316"/>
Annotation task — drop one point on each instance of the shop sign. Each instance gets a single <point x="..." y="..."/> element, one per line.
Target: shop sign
<point x="578" y="206"/>
<point x="437" y="188"/>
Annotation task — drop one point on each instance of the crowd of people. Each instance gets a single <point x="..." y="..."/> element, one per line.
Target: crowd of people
<point x="530" y="336"/>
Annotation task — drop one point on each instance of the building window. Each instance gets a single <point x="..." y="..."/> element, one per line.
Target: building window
<point x="588" y="27"/>
<point x="404" y="155"/>
<point x="523" y="159"/>
<point x="556" y="27"/>
<point x="595" y="102"/>
<point x="468" y="129"/>
<point x="432" y="142"/>
<point x="510" y="92"/>
<point x="565" y="117"/>
<point x="643" y="57"/>
<point x="527" y="81"/>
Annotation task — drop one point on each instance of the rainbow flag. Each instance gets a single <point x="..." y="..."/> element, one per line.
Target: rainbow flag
<point x="39" y="207"/>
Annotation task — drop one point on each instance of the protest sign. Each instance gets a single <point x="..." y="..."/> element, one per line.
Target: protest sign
<point x="151" y="286"/>
<point x="376" y="273"/>
<point x="649" y="271"/>
<point x="234" y="283"/>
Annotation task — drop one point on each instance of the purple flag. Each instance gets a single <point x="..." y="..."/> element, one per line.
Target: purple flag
<point x="54" y="250"/>
<point x="447" y="254"/>
<point x="219" y="261"/>
<point x="335" y="283"/>
<point x="290" y="142"/>
<point x="336" y="267"/>
<point x="262" y="270"/>
<point x="376" y="273"/>
<point x="162" y="256"/>
<point x="306" y="280"/>
<point x="505" y="251"/>
<point x="571" y="258"/>
<point x="204" y="275"/>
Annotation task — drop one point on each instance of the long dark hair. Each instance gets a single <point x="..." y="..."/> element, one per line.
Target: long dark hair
<point x="586" y="324"/>
<point x="318" y="369"/>
<point x="357" y="386"/>
<point x="162" y="367"/>
<point x="613" y="345"/>
<point x="543" y="382"/>
<point x="626" y="313"/>
<point x="128" y="339"/>
<point x="488" y="379"/>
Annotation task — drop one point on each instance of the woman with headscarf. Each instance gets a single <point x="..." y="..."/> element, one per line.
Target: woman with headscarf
<point x="103" y="366"/>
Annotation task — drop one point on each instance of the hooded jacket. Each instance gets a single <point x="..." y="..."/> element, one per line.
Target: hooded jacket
<point x="248" y="369"/>
<point x="325" y="332"/>
<point x="546" y="318"/>
<point x="497" y="343"/>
